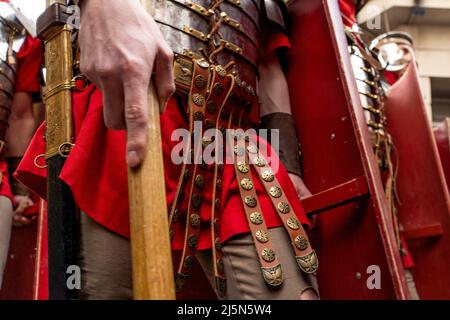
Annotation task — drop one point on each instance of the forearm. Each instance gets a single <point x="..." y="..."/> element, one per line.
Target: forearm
<point x="276" y="112"/>
<point x="21" y="125"/>
<point x="273" y="87"/>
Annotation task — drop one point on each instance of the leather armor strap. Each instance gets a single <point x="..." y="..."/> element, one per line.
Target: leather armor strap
<point x="17" y="187"/>
<point x="304" y="254"/>
<point x="196" y="103"/>
<point x="270" y="267"/>
<point x="220" y="90"/>
<point x="289" y="152"/>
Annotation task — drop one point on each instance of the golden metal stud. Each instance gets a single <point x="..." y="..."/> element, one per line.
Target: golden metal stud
<point x="267" y="175"/>
<point x="301" y="242"/>
<point x="198" y="99"/>
<point x="275" y="191"/>
<point x="293" y="223"/>
<point x="247" y="184"/>
<point x="243" y="167"/>
<point x="284" y="207"/>
<point x="268" y="254"/>
<point x="262" y="236"/>
<point x="250" y="201"/>
<point x="256" y="218"/>
<point x="195" y="220"/>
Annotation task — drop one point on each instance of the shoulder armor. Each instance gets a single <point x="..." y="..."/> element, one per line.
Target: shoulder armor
<point x="276" y="11"/>
<point x="13" y="18"/>
<point x="12" y="33"/>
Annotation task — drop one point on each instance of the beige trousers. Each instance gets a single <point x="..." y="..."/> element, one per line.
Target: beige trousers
<point x="6" y="217"/>
<point x="105" y="261"/>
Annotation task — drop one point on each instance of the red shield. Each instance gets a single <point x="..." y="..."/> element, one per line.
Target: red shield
<point x="353" y="233"/>
<point x="424" y="208"/>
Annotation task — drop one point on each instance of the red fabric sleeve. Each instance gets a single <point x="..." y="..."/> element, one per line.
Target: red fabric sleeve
<point x="29" y="65"/>
<point x="277" y="40"/>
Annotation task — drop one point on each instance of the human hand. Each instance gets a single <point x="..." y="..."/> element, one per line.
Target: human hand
<point x="22" y="203"/>
<point x="121" y="47"/>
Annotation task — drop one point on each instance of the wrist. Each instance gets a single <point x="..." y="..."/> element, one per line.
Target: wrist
<point x="17" y="188"/>
<point x="289" y="151"/>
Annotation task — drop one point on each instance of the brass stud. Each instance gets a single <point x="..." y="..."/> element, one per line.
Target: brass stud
<point x="199" y="181"/>
<point x="196" y="201"/>
<point x="301" y="242"/>
<point x="268" y="254"/>
<point x="267" y="175"/>
<point x="220" y="265"/>
<point x="209" y="124"/>
<point x="293" y="223"/>
<point x="247" y="184"/>
<point x="259" y="161"/>
<point x="256" y="218"/>
<point x="216" y="224"/>
<point x="219" y="184"/>
<point x="250" y="201"/>
<point x="188" y="262"/>
<point x="218" y="89"/>
<point x="275" y="191"/>
<point x="187" y="174"/>
<point x="193" y="241"/>
<point x="195" y="220"/>
<point x="217" y="204"/>
<point x="211" y="106"/>
<point x="221" y="71"/>
<point x="243" y="167"/>
<point x="176" y="215"/>
<point x="198" y="99"/>
<point x="203" y="63"/>
<point x="200" y="81"/>
<point x="198" y="116"/>
<point x="218" y="244"/>
<point x="284" y="207"/>
<point x="206" y="141"/>
<point x="262" y="236"/>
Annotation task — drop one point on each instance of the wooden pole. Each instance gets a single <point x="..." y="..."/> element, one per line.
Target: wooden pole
<point x="153" y="276"/>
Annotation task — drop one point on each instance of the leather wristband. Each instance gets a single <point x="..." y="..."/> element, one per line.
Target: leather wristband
<point x="17" y="188"/>
<point x="289" y="152"/>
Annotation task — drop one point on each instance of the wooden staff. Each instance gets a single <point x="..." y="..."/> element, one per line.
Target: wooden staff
<point x="153" y="277"/>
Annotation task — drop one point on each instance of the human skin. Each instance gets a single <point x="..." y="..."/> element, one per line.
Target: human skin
<point x="121" y="50"/>
<point x="274" y="96"/>
<point x="18" y="136"/>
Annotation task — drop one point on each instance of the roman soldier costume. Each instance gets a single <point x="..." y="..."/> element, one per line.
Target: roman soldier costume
<point x="217" y="46"/>
<point x="20" y="64"/>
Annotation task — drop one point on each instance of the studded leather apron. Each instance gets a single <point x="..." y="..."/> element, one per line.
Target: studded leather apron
<point x="216" y="45"/>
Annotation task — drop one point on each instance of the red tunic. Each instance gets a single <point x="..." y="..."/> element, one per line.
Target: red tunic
<point x="28" y="68"/>
<point x="348" y="11"/>
<point x="97" y="175"/>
